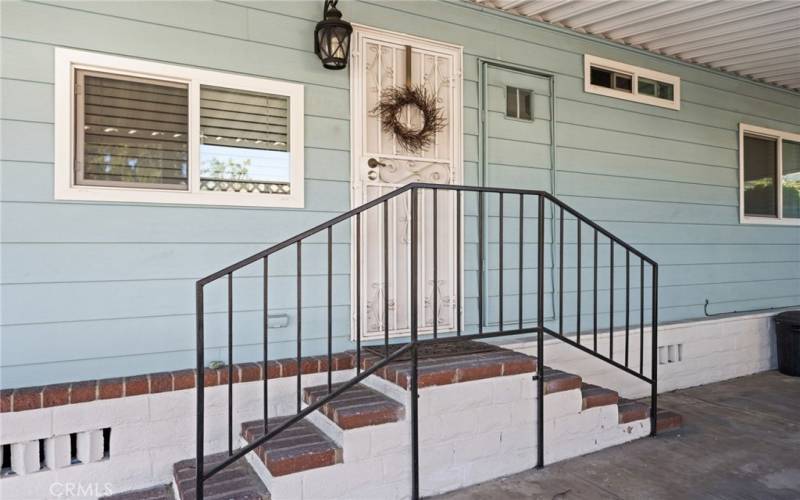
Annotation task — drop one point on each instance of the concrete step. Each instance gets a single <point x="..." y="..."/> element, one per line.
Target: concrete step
<point x="238" y="481"/>
<point x="300" y="447"/>
<point x="160" y="492"/>
<point x="594" y="395"/>
<point x="359" y="406"/>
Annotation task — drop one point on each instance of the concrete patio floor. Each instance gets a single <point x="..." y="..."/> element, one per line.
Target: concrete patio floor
<point x="740" y="440"/>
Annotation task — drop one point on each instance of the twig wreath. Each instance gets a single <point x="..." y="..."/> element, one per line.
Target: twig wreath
<point x="394" y="100"/>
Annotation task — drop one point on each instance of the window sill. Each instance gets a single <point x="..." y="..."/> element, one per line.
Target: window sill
<point x="174" y="197"/>
<point x="768" y="221"/>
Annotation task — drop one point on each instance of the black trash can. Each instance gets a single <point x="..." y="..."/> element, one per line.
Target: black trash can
<point x="787" y="329"/>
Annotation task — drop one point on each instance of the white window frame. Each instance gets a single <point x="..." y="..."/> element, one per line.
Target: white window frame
<point x="778" y="136"/>
<point x="67" y="61"/>
<point x="635" y="72"/>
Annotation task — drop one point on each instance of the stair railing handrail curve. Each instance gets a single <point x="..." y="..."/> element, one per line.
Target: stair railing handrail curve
<point x="397" y="192"/>
<point x="413" y="344"/>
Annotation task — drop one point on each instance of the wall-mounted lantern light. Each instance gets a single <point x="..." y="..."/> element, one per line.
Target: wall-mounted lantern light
<point x="332" y="37"/>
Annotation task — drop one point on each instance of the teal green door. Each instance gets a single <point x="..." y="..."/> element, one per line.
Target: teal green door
<point x="516" y="131"/>
<point x="516" y="140"/>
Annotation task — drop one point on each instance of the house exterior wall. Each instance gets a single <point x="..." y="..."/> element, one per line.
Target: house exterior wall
<point x="93" y="290"/>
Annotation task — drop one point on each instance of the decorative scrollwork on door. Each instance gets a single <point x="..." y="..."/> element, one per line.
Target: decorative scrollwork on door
<point x="444" y="304"/>
<point x="398" y="171"/>
<point x="375" y="318"/>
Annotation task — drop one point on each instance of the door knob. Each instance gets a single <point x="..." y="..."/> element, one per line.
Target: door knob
<point x="372" y="175"/>
<point x="372" y="163"/>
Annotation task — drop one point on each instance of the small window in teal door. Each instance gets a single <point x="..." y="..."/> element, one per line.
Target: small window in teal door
<point x="519" y="103"/>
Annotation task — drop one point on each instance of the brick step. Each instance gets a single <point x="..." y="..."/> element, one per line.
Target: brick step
<point x="630" y="411"/>
<point x="300" y="447"/>
<point x="558" y="381"/>
<point x="594" y="395"/>
<point x="238" y="481"/>
<point x="456" y="368"/>
<point x="160" y="492"/>
<point x="358" y="406"/>
<point x="668" y="421"/>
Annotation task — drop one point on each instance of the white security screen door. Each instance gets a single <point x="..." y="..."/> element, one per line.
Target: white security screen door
<point x="380" y="165"/>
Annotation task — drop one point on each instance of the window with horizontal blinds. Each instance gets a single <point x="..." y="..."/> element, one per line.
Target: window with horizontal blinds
<point x="130" y="131"/>
<point x="244" y="139"/>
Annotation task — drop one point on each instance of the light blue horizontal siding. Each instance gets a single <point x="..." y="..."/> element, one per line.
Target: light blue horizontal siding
<point x="109" y="287"/>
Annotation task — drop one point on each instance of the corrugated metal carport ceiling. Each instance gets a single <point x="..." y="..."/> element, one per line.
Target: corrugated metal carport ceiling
<point x="756" y="39"/>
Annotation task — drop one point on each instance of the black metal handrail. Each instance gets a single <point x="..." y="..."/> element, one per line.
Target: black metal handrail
<point x="559" y="211"/>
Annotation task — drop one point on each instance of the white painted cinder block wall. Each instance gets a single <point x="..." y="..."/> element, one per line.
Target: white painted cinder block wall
<point x="714" y="349"/>
<point x="468" y="433"/>
<point x="151" y="432"/>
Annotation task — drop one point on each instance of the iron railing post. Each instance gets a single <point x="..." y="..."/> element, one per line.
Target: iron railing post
<point x="521" y="262"/>
<point x="200" y="392"/>
<point x="330" y="308"/>
<point x="414" y="357"/>
<point x="500" y="261"/>
<point x="480" y="262"/>
<point x="230" y="364"/>
<point x="299" y="321"/>
<point x="540" y="338"/>
<point x="459" y="266"/>
<point x="265" y="387"/>
<point x="654" y="357"/>
<point x="358" y="293"/>
<point x="386" y="277"/>
<point x="579" y="267"/>
<point x="561" y="273"/>
<point x="641" y="317"/>
<point x="435" y="291"/>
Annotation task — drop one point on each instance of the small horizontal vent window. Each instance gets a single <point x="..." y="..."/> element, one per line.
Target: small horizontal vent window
<point x="131" y="132"/>
<point x="632" y="83"/>
<point x="244" y="139"/>
<point x="611" y="79"/>
<point x="655" y="88"/>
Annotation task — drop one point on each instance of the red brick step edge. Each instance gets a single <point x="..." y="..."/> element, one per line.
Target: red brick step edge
<point x="299" y="447"/>
<point x="358" y="406"/>
<point x="33" y="398"/>
<point x="236" y="482"/>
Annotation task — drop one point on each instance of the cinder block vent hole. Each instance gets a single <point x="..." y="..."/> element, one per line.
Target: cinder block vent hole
<point x="42" y="460"/>
<point x="73" y="448"/>
<point x="5" y="468"/>
<point x="107" y="442"/>
<point x="670" y="354"/>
